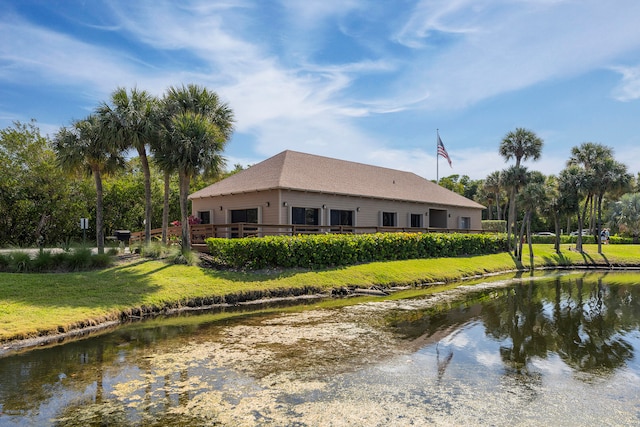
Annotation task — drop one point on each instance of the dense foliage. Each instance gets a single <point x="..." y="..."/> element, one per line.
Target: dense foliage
<point x="324" y="250"/>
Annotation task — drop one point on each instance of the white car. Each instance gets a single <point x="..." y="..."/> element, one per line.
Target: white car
<point x="544" y="233"/>
<point x="585" y="232"/>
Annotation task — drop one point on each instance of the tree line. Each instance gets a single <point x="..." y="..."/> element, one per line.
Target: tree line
<point x="594" y="191"/>
<point x="181" y="134"/>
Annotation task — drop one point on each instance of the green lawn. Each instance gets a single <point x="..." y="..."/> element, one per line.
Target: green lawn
<point x="40" y="304"/>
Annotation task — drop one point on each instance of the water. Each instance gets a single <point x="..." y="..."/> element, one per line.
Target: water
<point x="555" y="350"/>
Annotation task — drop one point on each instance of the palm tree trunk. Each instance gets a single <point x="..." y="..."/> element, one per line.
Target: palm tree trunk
<point x="147" y="194"/>
<point x="513" y="224"/>
<point x="529" y="214"/>
<point x="510" y="226"/>
<point x="184" y="211"/>
<point x="165" y="208"/>
<point x="521" y="237"/>
<point x="556" y="222"/>
<point x="599" y="223"/>
<point x="498" y="205"/>
<point x="99" y="209"/>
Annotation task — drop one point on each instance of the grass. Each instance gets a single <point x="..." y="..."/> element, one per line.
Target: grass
<point x="33" y="304"/>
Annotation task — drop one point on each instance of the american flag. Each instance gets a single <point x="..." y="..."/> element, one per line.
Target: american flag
<point x="443" y="151"/>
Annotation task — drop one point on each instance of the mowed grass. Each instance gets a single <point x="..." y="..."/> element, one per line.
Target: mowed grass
<point x="40" y="304"/>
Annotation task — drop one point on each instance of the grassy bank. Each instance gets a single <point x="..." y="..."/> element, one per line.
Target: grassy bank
<point x="41" y="304"/>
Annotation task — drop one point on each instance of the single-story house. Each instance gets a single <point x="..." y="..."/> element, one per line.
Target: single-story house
<point x="293" y="188"/>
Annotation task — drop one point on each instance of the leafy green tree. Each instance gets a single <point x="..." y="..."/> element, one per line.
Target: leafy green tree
<point x="130" y="122"/>
<point x="83" y="147"/>
<point x="521" y="144"/>
<point x="38" y="204"/>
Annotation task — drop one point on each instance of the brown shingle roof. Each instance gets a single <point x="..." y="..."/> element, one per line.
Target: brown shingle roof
<point x="307" y="172"/>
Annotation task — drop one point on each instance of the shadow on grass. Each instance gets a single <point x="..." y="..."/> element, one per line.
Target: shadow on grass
<point x="106" y="290"/>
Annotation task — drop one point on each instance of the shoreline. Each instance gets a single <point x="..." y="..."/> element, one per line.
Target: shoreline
<point x="138" y="314"/>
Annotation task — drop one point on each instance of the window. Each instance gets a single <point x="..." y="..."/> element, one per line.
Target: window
<point x="249" y="216"/>
<point x="205" y="217"/>
<point x="389" y="219"/>
<point x="305" y="216"/>
<point x="340" y="217"/>
<point x="245" y="215"/>
<point x="465" y="223"/>
<point x="416" y="220"/>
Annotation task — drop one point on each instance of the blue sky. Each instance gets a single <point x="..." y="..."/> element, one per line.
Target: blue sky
<point x="361" y="80"/>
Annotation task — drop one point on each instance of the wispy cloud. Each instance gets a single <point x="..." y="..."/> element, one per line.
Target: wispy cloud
<point x="629" y="87"/>
<point x="267" y="60"/>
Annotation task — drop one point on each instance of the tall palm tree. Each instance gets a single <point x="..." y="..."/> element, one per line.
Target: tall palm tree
<point x="83" y="147"/>
<point x="179" y="106"/>
<point x="130" y="123"/>
<point x="521" y="144"/>
<point x="197" y="144"/>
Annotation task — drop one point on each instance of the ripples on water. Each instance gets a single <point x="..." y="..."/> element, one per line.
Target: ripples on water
<point x="555" y="351"/>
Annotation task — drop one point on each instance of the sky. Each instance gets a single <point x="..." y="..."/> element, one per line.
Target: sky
<point x="371" y="81"/>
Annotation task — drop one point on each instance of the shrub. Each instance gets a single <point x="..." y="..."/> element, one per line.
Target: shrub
<point x="184" y="258"/>
<point x="20" y="262"/>
<point x="324" y="250"/>
<point x="44" y="261"/>
<point x="79" y="259"/>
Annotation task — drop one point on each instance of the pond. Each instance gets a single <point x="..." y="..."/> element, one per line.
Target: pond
<point x="558" y="349"/>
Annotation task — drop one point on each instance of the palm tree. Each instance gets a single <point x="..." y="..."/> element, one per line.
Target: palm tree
<point x="197" y="144"/>
<point x="513" y="179"/>
<point x="493" y="184"/>
<point x="532" y="197"/>
<point x="613" y="179"/>
<point x="554" y="206"/>
<point x="130" y="123"/>
<point x="521" y="144"/>
<point x="626" y="212"/>
<point x="84" y="147"/>
<point x="191" y="103"/>
<point x="604" y="174"/>
<point x="573" y="184"/>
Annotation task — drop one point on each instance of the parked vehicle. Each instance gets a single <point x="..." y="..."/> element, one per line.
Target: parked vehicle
<point x="544" y="233"/>
<point x="585" y="232"/>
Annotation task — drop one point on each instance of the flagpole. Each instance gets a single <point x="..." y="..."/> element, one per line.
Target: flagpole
<point x="437" y="159"/>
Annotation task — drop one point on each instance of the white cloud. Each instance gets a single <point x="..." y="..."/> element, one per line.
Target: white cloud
<point x="629" y="87"/>
<point x="511" y="46"/>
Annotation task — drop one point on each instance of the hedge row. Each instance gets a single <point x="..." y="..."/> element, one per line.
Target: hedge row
<point x="564" y="239"/>
<point x="327" y="250"/>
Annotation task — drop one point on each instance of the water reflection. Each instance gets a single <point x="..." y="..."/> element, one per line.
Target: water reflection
<point x="532" y="352"/>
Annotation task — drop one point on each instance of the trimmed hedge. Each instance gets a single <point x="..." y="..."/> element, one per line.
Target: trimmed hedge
<point x="564" y="239"/>
<point x="328" y="250"/>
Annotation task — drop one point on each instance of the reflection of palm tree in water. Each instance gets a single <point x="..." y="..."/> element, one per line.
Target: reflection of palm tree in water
<point x="442" y="364"/>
